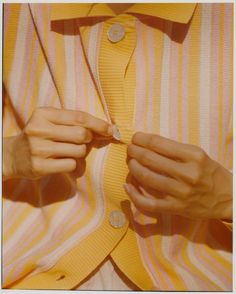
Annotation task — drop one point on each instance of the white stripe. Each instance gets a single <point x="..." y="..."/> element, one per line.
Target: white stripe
<point x="44" y="86"/>
<point x="94" y="39"/>
<point x="17" y="69"/>
<point x="90" y="227"/>
<point x="55" y="223"/>
<point x="9" y="203"/>
<point x="164" y="95"/>
<point x="191" y="254"/>
<point x="70" y="84"/>
<point x="166" y="241"/>
<point x="25" y="226"/>
<point x="92" y="54"/>
<point x="205" y="77"/>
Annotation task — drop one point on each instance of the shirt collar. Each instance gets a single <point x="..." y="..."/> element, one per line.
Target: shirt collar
<point x="176" y="12"/>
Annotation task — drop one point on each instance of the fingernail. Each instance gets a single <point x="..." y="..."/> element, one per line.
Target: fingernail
<point x="127" y="188"/>
<point x="116" y="133"/>
<point x="109" y="130"/>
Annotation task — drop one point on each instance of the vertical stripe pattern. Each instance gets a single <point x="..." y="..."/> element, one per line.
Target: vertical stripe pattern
<point x="164" y="78"/>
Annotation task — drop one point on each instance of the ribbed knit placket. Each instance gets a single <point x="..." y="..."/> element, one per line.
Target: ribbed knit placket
<point x="117" y="82"/>
<point x="114" y="58"/>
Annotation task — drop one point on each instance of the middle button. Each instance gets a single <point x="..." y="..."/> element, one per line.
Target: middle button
<point x="116" y="33"/>
<point x="117" y="219"/>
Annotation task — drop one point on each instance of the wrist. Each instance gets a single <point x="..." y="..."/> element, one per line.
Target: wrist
<point x="7" y="158"/>
<point x="224" y="193"/>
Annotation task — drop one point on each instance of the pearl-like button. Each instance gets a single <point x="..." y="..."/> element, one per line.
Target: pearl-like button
<point x="116" y="133"/>
<point x="117" y="219"/>
<point x="116" y="33"/>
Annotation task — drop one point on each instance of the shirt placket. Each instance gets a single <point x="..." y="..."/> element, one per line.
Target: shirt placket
<point x="117" y="45"/>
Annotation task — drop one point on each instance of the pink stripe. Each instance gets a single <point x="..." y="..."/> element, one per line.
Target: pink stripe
<point x="80" y="72"/>
<point x="91" y="96"/>
<point x="10" y="207"/>
<point x="13" y="213"/>
<point x="210" y="263"/>
<point x="74" y="239"/>
<point x="39" y="11"/>
<point x="160" y="268"/>
<point x="214" y="109"/>
<point x="21" y="265"/>
<point x="227" y="88"/>
<point x="10" y="256"/>
<point x="185" y="111"/>
<point x="23" y="83"/>
<point x="140" y="80"/>
<point x="6" y="12"/>
<point x="77" y="210"/>
<point x="173" y="91"/>
<point x="176" y="255"/>
<point x="29" y="102"/>
<point x="214" y="266"/>
<point x="142" y="243"/>
<point x="49" y="237"/>
<point x="151" y="79"/>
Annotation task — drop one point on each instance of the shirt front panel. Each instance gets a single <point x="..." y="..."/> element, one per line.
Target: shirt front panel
<point x="166" y="78"/>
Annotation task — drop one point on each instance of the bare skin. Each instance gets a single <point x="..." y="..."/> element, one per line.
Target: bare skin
<point x="182" y="179"/>
<point x="51" y="142"/>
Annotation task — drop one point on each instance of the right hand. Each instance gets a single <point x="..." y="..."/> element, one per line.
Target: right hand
<point x="51" y="142"/>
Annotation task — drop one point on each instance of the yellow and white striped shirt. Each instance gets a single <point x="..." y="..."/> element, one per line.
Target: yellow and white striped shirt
<point x="171" y="75"/>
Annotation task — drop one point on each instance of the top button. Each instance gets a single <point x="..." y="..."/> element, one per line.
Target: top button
<point x="116" y="33"/>
<point x="117" y="219"/>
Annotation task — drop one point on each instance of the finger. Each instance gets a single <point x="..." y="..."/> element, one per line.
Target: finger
<point x="157" y="162"/>
<point x="167" y="147"/>
<point x="49" y="149"/>
<point x="77" y="118"/>
<point x="70" y="134"/>
<point x="152" y="205"/>
<point x="43" y="166"/>
<point x="161" y="183"/>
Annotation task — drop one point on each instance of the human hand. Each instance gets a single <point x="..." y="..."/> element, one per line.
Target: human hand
<point x="51" y="142"/>
<point x="177" y="178"/>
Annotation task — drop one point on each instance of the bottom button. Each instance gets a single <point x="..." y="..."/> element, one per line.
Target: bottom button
<point x="117" y="219"/>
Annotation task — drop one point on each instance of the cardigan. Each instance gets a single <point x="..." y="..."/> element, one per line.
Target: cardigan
<point x="171" y="75"/>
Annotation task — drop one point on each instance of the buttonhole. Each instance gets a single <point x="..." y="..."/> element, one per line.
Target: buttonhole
<point x="61" y="277"/>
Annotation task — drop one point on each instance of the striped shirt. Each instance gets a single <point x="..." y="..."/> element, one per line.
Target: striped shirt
<point x="170" y="75"/>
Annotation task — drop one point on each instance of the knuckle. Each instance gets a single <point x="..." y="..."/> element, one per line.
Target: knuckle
<point x="71" y="165"/>
<point x="144" y="177"/>
<point x="103" y="127"/>
<point x="82" y="150"/>
<point x="186" y="191"/>
<point x="36" y="165"/>
<point x="200" y="155"/>
<point x="154" y="208"/>
<point x="195" y="175"/>
<point x="130" y="149"/>
<point x="30" y="129"/>
<point x="81" y="134"/>
<point x="145" y="157"/>
<point x="136" y="136"/>
<point x="152" y="142"/>
<point x="80" y="117"/>
<point x="131" y="164"/>
<point x="39" y="111"/>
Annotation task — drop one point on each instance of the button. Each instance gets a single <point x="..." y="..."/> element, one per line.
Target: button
<point x="117" y="219"/>
<point x="116" y="33"/>
<point x="116" y="133"/>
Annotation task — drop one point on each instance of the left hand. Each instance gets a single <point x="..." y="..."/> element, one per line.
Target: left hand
<point x="182" y="178"/>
